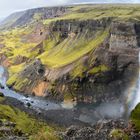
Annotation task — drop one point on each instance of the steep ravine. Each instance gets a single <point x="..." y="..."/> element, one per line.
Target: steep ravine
<point x="79" y="113"/>
<point x="110" y="63"/>
<point x="75" y="66"/>
<point x="89" y="121"/>
<point x="91" y="79"/>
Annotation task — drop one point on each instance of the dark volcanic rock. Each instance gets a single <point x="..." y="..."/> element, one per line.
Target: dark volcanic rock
<point x="28" y="104"/>
<point x="9" y="132"/>
<point x="1" y="94"/>
<point x="99" y="131"/>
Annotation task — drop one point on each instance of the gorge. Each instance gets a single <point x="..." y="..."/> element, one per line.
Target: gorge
<point x="74" y="65"/>
<point x="91" y="114"/>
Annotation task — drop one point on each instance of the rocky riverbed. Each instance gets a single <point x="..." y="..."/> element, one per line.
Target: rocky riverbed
<point x="103" y="130"/>
<point x="62" y="113"/>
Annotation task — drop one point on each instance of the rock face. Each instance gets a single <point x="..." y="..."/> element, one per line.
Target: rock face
<point x="8" y="131"/>
<point x="123" y="35"/>
<point x="112" y="65"/>
<point x="31" y="76"/>
<point x="65" y="27"/>
<point x="2" y="58"/>
<point x="84" y="59"/>
<point x="118" y="54"/>
<point x="103" y="130"/>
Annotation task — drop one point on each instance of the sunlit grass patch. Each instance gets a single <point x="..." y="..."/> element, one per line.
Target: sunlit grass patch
<point x="60" y="56"/>
<point x="98" y="69"/>
<point x="36" y="129"/>
<point x="135" y="117"/>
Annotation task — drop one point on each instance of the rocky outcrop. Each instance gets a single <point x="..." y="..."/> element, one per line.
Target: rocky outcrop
<point x="37" y="36"/>
<point x="9" y="132"/>
<point x="2" y="58"/>
<point x="65" y="27"/>
<point x="103" y="130"/>
<point x="30" y="77"/>
<point x="20" y="59"/>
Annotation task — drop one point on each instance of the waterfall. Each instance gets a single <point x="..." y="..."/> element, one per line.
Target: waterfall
<point x="133" y="93"/>
<point x="3" y="77"/>
<point x="137" y="94"/>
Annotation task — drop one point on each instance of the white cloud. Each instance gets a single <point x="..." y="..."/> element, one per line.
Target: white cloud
<point x="10" y="6"/>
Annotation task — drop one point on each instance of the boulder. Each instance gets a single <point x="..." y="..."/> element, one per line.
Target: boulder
<point x="1" y="94"/>
<point x="28" y="104"/>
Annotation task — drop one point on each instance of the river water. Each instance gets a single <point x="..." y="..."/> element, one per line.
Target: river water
<point x="87" y="113"/>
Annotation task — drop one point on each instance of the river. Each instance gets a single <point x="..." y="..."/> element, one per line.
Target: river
<point x="83" y="112"/>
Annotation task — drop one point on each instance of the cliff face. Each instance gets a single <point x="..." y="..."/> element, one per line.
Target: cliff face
<point x="94" y="76"/>
<point x="113" y="65"/>
<point x="86" y="60"/>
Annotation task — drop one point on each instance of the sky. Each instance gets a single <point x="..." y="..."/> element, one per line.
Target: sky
<point x="9" y="6"/>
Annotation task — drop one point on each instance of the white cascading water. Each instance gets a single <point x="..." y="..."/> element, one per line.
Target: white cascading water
<point x="3" y="77"/>
<point x="133" y="94"/>
<point x="137" y="96"/>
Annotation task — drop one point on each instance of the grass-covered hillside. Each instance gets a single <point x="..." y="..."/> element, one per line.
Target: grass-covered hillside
<point x="16" y="124"/>
<point x="59" y="37"/>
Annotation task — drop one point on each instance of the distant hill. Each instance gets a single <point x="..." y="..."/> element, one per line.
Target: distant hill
<point x="25" y="17"/>
<point x="10" y="20"/>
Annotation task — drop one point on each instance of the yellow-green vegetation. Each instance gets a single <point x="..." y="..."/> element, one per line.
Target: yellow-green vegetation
<point x="68" y="97"/>
<point x="78" y="70"/>
<point x="16" y="68"/>
<point x="58" y="51"/>
<point x="36" y="129"/>
<point x="15" y="45"/>
<point x="37" y="16"/>
<point x="135" y="117"/>
<point x="14" y="76"/>
<point x="100" y="68"/>
<point x="85" y="12"/>
<point x="2" y="99"/>
<point x="62" y="55"/>
<point x="18" y="82"/>
<point x="118" y="134"/>
<point x="48" y="44"/>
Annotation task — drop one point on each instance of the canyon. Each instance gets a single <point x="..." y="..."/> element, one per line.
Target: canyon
<point x="79" y="62"/>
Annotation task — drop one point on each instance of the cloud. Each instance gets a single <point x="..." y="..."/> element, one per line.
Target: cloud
<point x="9" y="6"/>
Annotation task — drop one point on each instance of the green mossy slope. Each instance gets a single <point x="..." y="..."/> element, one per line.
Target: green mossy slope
<point x="135" y="117"/>
<point x="33" y="128"/>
